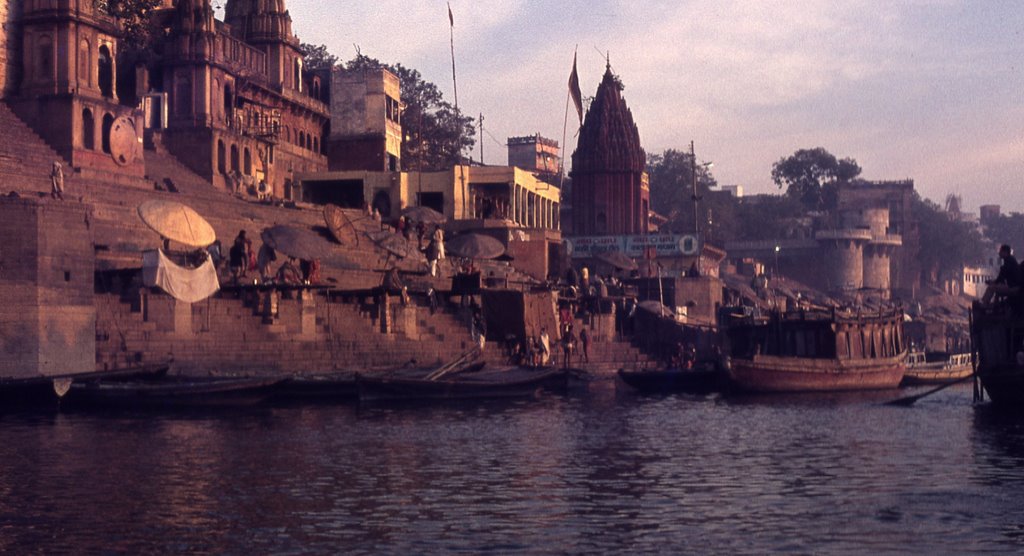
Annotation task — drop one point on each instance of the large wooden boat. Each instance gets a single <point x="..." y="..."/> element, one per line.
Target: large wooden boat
<point x="998" y="337"/>
<point x="490" y="382"/>
<point x="817" y="350"/>
<point x="936" y="368"/>
<point x="174" y="391"/>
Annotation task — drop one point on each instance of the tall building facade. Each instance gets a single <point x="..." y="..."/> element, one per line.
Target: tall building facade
<point x="610" y="193"/>
<point x="230" y="99"/>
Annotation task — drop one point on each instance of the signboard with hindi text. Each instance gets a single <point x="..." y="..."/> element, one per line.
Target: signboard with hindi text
<point x="659" y="245"/>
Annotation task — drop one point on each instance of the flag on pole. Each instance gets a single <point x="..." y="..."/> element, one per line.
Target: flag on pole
<point x="451" y="18"/>
<point x="574" y="89"/>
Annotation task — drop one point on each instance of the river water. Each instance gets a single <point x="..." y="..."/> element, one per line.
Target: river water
<point x="606" y="472"/>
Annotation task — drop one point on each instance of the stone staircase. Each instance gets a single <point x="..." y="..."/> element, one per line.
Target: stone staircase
<point x="25" y="159"/>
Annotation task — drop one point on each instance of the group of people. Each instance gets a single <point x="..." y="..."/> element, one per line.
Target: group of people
<point x="242" y="260"/>
<point x="535" y="351"/>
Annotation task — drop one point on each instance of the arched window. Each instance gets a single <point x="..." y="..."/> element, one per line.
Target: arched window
<point x="106" y="72"/>
<point x="234" y="158"/>
<point x="44" y="58"/>
<point x="302" y="139"/>
<point x="228" y="102"/>
<point x="221" y="155"/>
<point x="88" y="130"/>
<point x="248" y="162"/>
<point x="108" y="122"/>
<point x="316" y="88"/>
<point x="85" y="63"/>
<point x="309" y="142"/>
<point x="316" y="145"/>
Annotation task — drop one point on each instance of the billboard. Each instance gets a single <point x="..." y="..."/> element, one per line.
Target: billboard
<point x="660" y="245"/>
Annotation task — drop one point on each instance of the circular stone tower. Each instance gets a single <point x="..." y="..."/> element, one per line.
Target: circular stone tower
<point x="843" y="252"/>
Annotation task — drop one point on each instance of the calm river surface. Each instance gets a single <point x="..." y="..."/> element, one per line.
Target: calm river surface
<point x="606" y="472"/>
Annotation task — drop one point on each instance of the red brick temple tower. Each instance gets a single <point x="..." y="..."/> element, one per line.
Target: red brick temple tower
<point x="610" y="195"/>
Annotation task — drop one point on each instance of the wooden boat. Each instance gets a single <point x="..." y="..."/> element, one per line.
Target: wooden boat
<point x="46" y="389"/>
<point x="821" y="350"/>
<point x="997" y="334"/>
<point x="490" y="382"/>
<point x="936" y="368"/>
<point x="700" y="380"/>
<point x="174" y="391"/>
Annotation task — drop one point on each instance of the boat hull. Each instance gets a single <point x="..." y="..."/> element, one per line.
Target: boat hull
<point x="793" y="374"/>
<point x="693" y="381"/>
<point x="174" y="392"/>
<point x="1004" y="384"/>
<point x="940" y="374"/>
<point x="498" y="383"/>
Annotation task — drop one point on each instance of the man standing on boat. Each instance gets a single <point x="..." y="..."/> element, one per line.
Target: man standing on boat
<point x="1007" y="283"/>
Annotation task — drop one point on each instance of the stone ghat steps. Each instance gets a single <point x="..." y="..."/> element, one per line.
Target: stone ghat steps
<point x="231" y="336"/>
<point x="25" y="159"/>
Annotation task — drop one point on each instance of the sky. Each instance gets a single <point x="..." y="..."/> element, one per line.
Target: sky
<point x="929" y="90"/>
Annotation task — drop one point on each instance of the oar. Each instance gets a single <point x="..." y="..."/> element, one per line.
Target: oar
<point x="909" y="400"/>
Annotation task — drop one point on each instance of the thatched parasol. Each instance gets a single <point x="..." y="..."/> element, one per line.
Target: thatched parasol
<point x="617" y="259"/>
<point x="303" y="243"/>
<point x="395" y="244"/>
<point x="426" y="215"/>
<point x="340" y="225"/>
<point x="177" y="222"/>
<point x="475" y="246"/>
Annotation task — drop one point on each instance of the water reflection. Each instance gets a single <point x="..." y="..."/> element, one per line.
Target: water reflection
<point x="604" y="473"/>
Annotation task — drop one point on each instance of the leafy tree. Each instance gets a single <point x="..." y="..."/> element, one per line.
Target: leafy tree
<point x="812" y="176"/>
<point x="671" y="181"/>
<point x="318" y="57"/>
<point x="135" y="19"/>
<point x="1008" y="229"/>
<point x="435" y="133"/>
<point x="946" y="245"/>
<point x="767" y="217"/>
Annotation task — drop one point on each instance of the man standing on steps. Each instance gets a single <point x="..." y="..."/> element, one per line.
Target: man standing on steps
<point x="57" y="180"/>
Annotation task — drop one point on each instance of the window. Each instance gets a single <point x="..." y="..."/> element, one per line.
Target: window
<point x="44" y="58"/>
<point x="108" y="122"/>
<point x="248" y="162"/>
<point x="106" y="72"/>
<point x="221" y="154"/>
<point x="88" y="130"/>
<point x="234" y="158"/>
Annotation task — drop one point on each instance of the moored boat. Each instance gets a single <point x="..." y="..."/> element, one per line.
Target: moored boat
<point x="489" y="382"/>
<point x="998" y="337"/>
<point x="43" y="390"/>
<point x="174" y="391"/>
<point x="700" y="380"/>
<point x="817" y="350"/>
<point x="936" y="368"/>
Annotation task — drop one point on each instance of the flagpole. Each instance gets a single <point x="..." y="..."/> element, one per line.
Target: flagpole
<point x="565" y="126"/>
<point x="458" y="120"/>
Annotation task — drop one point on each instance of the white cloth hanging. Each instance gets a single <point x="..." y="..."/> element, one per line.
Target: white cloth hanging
<point x="185" y="284"/>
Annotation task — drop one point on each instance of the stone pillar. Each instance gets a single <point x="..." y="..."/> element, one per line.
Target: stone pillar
<point x="843" y="252"/>
<point x="47" y="265"/>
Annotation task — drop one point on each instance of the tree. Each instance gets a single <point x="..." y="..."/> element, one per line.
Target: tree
<point x="946" y="244"/>
<point x="435" y="133"/>
<point x="317" y="56"/>
<point x="671" y="182"/>
<point x="812" y="176"/>
<point x="135" y="18"/>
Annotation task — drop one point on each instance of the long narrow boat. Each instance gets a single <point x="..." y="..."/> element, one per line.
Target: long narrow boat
<point x="491" y="382"/>
<point x="46" y="389"/>
<point x="703" y="380"/>
<point x="823" y="350"/>
<point x="997" y="332"/>
<point x="938" y="368"/>
<point x="174" y="391"/>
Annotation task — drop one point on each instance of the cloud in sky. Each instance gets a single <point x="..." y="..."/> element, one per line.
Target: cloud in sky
<point x="929" y="90"/>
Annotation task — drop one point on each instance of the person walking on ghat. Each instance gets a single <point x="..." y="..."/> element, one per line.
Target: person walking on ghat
<point x="568" y="345"/>
<point x="57" y="180"/>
